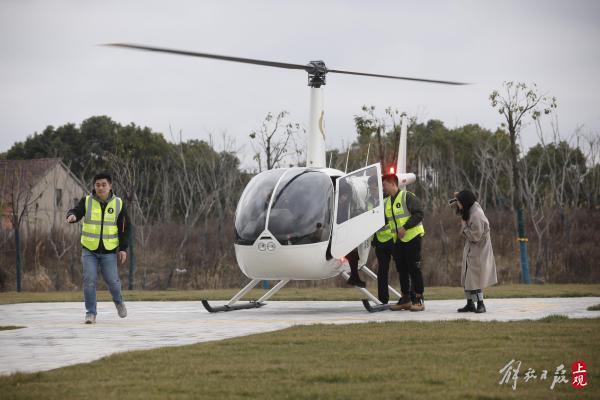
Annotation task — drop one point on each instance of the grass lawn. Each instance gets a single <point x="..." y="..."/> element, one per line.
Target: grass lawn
<point x="431" y="293"/>
<point x="408" y="360"/>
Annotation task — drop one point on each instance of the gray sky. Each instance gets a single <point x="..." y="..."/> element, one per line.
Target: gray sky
<point x="52" y="72"/>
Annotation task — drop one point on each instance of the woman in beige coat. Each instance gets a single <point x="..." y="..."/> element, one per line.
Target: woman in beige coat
<point x="478" y="265"/>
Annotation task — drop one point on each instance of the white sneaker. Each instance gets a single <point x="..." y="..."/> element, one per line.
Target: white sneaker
<point x="90" y="319"/>
<point x="121" y="310"/>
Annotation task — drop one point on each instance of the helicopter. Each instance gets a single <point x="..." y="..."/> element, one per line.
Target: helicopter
<point x="289" y="222"/>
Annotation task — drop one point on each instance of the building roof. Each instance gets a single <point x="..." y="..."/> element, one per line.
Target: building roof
<point x="30" y="171"/>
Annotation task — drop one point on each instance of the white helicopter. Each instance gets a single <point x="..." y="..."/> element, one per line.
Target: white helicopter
<point x="287" y="225"/>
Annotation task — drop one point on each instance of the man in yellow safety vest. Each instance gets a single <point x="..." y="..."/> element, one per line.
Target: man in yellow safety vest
<point x="383" y="243"/>
<point x="104" y="238"/>
<point x="404" y="215"/>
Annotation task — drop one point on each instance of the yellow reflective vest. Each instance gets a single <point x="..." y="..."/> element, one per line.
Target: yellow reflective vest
<point x="384" y="234"/>
<point x="101" y="225"/>
<point x="397" y="214"/>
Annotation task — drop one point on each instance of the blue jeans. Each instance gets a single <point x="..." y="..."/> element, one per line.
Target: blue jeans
<point x="107" y="263"/>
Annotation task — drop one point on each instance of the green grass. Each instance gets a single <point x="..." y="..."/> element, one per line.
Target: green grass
<point x="424" y="360"/>
<point x="8" y="328"/>
<point x="431" y="293"/>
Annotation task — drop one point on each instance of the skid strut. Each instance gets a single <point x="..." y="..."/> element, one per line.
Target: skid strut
<point x="231" y="306"/>
<point x="378" y="306"/>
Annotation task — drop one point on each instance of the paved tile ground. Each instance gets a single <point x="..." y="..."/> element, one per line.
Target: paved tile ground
<point x="55" y="335"/>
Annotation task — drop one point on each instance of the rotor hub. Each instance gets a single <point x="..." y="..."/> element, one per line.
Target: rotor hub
<point x="316" y="73"/>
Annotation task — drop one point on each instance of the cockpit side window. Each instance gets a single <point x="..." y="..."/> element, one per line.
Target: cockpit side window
<point x="251" y="212"/>
<point x="356" y="194"/>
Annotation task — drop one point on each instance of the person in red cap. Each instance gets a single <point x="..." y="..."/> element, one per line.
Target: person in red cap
<point x="404" y="214"/>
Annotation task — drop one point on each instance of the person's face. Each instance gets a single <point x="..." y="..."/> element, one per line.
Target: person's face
<point x="344" y="198"/>
<point x="102" y="188"/>
<point x="373" y="189"/>
<point x="389" y="188"/>
<point x="459" y="205"/>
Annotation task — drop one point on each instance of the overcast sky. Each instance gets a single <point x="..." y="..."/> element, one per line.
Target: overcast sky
<point x="52" y="72"/>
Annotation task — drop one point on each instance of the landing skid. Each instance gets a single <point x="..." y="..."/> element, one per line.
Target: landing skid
<point x="231" y="306"/>
<point x="378" y="306"/>
<point x="211" y="309"/>
<point x="375" y="308"/>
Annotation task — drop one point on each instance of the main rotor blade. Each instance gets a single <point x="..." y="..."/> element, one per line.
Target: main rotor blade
<point x="207" y="55"/>
<point x="337" y="71"/>
<point x="307" y="68"/>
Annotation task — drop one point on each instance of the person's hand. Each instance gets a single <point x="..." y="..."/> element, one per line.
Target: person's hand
<point x="401" y="233"/>
<point x="71" y="218"/>
<point x="122" y="257"/>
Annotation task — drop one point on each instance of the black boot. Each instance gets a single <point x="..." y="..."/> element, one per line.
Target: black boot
<point x="355" y="280"/>
<point x="470" y="307"/>
<point x="480" y="307"/>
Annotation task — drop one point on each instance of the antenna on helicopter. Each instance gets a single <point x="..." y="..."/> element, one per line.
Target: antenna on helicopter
<point x="347" y="158"/>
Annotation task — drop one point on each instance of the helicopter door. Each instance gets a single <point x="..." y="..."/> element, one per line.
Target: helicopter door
<point x="359" y="211"/>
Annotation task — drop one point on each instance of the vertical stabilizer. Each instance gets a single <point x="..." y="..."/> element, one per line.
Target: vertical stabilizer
<point x="401" y="165"/>
<point x="404" y="178"/>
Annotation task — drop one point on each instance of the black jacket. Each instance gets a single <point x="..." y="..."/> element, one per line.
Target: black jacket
<point x="123" y="223"/>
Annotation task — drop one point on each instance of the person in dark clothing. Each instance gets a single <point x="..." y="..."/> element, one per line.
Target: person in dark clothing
<point x="104" y="238"/>
<point x="345" y="212"/>
<point x="383" y="243"/>
<point x="404" y="214"/>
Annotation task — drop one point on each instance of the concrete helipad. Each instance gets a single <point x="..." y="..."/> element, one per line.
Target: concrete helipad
<point x="55" y="336"/>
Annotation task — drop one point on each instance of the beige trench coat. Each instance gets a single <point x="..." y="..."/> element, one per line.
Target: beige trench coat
<point x="478" y="264"/>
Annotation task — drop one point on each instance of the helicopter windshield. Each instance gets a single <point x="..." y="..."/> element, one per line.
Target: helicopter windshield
<point x="251" y="213"/>
<point x="302" y="208"/>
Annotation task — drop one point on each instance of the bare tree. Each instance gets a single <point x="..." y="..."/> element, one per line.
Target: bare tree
<point x="270" y="141"/>
<point x="140" y="182"/>
<point x="385" y="129"/>
<point x="537" y="201"/>
<point x="18" y="191"/>
<point x="194" y="194"/>
<point x="591" y="179"/>
<point x="515" y="104"/>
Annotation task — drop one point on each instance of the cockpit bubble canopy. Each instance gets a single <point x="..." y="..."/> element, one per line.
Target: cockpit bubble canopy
<point x="299" y="212"/>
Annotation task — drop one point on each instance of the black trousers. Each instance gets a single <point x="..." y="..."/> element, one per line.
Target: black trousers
<point x="408" y="262"/>
<point x="384" y="253"/>
<point x="352" y="258"/>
